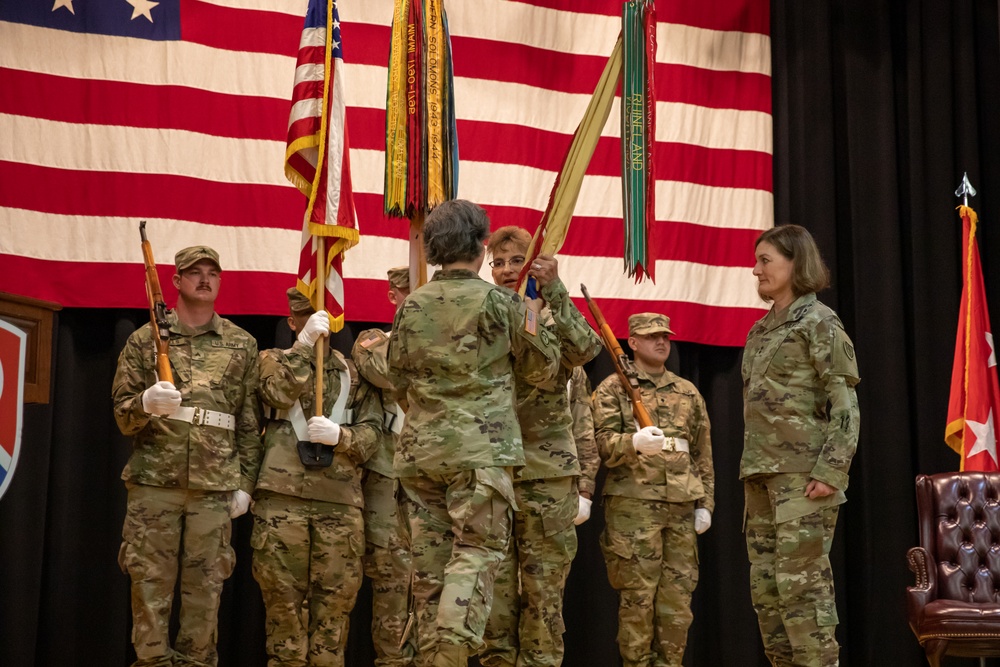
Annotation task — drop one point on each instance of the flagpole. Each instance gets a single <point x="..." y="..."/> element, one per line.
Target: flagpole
<point x="320" y="299"/>
<point x="418" y="260"/>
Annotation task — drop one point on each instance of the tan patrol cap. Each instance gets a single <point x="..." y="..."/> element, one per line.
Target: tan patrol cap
<point x="297" y="301"/>
<point x="399" y="278"/>
<point x="643" y="324"/>
<point x="189" y="256"/>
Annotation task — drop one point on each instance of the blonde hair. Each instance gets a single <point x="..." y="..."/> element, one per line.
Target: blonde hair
<point x="509" y="235"/>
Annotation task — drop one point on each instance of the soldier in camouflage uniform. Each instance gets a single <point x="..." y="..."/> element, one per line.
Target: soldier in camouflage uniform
<point x="801" y="430"/>
<point x="387" y="555"/>
<point x="456" y="346"/>
<point x="196" y="452"/>
<point x="308" y="534"/>
<point x="526" y="626"/>
<point x="659" y="493"/>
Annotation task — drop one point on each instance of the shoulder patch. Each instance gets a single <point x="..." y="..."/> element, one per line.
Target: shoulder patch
<point x="849" y="350"/>
<point x="370" y="340"/>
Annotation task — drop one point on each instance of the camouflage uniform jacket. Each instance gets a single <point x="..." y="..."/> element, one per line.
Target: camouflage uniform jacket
<point x="287" y="375"/>
<point x="457" y="344"/>
<point x="544" y="414"/>
<point x="800" y="408"/>
<point x="214" y="368"/>
<point x="370" y="354"/>
<point x="679" y="410"/>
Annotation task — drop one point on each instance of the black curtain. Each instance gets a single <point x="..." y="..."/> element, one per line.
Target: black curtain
<point x="879" y="108"/>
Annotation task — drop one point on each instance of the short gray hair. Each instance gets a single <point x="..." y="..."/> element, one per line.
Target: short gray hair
<point x="455" y="232"/>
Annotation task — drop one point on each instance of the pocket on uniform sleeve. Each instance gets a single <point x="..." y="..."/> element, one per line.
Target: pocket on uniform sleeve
<point x="258" y="537"/>
<point x="826" y="614"/>
<point x="482" y="600"/>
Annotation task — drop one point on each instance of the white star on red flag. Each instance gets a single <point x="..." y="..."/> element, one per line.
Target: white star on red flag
<point x="985" y="435"/>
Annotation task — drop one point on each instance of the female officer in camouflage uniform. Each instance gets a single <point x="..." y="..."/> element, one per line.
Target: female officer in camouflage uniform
<point x="456" y="345"/>
<point x="801" y="431"/>
<point x="553" y="488"/>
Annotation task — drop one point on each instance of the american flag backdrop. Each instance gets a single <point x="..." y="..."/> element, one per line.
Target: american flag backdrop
<point x="112" y="111"/>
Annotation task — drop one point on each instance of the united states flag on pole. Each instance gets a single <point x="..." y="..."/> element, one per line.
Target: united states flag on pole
<point x="177" y="112"/>
<point x="317" y="160"/>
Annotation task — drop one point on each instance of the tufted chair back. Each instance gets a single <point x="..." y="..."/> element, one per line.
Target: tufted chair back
<point x="955" y="607"/>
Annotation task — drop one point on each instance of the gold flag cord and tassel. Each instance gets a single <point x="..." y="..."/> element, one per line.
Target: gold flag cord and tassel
<point x="421" y="146"/>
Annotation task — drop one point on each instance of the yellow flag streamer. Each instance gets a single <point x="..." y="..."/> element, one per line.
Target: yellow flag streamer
<point x="436" y="73"/>
<point x="395" y="112"/>
<point x="551" y="233"/>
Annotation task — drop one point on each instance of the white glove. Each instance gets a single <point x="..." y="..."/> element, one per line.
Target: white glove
<point x="702" y="520"/>
<point x="161" y="399"/>
<point x="317" y="325"/>
<point x="584" y="512"/>
<point x="323" y="430"/>
<point x="239" y="503"/>
<point x="649" y="440"/>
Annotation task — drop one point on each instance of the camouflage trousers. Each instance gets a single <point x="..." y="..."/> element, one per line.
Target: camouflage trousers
<point x="459" y="528"/>
<point x="525" y="627"/>
<point x="387" y="564"/>
<point x="652" y="558"/>
<point x="164" y="529"/>
<point x="307" y="559"/>
<point x="791" y="580"/>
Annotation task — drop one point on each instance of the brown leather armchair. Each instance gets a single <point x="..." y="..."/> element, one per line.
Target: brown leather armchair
<point x="955" y="607"/>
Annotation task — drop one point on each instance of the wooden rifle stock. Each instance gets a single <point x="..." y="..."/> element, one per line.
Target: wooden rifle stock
<point x="623" y="365"/>
<point x="157" y="310"/>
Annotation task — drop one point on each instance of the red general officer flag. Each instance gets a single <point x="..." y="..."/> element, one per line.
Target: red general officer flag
<point x="974" y="407"/>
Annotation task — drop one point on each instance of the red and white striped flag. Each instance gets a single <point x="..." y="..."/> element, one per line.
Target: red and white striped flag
<point x="178" y="113"/>
<point x="317" y="160"/>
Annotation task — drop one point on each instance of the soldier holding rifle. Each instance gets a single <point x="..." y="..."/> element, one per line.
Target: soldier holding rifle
<point x="196" y="452"/>
<point x="658" y="493"/>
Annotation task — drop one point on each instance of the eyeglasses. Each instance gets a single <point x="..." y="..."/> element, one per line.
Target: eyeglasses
<point x="514" y="263"/>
